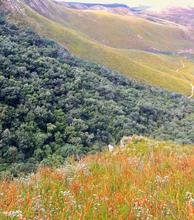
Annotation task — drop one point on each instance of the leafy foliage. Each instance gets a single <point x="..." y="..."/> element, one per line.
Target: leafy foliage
<point x="53" y="105"/>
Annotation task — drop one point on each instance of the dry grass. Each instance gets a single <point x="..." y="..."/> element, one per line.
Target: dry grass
<point x="147" y="180"/>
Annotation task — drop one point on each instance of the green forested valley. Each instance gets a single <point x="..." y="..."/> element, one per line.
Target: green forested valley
<point x="53" y="105"/>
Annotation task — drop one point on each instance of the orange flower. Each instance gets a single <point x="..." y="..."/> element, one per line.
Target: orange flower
<point x="190" y="206"/>
<point x="29" y="200"/>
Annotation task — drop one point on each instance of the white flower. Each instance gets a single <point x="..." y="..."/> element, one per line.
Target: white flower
<point x="70" y="197"/>
<point x="13" y="214"/>
<point x="162" y="180"/>
<point x="110" y="147"/>
<point x="188" y="195"/>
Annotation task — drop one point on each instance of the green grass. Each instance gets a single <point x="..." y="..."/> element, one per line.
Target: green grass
<point x="103" y="38"/>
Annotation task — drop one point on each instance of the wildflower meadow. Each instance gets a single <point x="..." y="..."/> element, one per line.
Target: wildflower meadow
<point x="146" y="180"/>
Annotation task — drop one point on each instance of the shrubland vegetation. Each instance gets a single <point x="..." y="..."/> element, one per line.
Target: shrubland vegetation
<point x="53" y="105"/>
<point x="147" y="180"/>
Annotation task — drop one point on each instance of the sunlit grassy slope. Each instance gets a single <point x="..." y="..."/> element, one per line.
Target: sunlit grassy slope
<point x="116" y="30"/>
<point x="118" y="42"/>
<point x="147" y="180"/>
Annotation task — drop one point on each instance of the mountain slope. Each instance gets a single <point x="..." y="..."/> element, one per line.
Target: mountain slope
<point x="183" y="16"/>
<point x="111" y="39"/>
<point x="53" y="105"/>
<point x="128" y="32"/>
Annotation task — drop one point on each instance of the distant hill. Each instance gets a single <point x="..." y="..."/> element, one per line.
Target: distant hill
<point x="88" y="5"/>
<point x="116" y="8"/>
<point x="111" y="7"/>
<point x="183" y="16"/>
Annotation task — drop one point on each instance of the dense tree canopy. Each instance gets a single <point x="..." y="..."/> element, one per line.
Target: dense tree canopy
<point x="53" y="105"/>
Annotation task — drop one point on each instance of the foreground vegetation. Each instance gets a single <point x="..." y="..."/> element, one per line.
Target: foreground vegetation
<point x="147" y="180"/>
<point x="53" y="105"/>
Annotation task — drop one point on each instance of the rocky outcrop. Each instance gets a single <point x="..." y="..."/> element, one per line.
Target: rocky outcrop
<point x="38" y="5"/>
<point x="14" y="6"/>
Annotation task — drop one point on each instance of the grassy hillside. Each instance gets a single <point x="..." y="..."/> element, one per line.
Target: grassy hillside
<point x="53" y="104"/>
<point x="117" y="42"/>
<point x="117" y="31"/>
<point x="147" y="180"/>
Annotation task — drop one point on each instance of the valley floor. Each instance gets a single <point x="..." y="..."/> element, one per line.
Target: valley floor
<point x="147" y="180"/>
